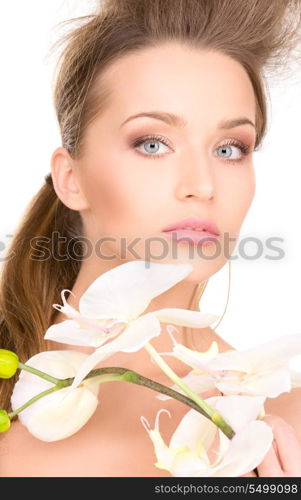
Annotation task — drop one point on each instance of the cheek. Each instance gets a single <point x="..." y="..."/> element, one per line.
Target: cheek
<point x="237" y="193"/>
<point x="118" y="198"/>
<point x="248" y="187"/>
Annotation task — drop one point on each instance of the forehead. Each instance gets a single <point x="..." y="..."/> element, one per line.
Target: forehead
<point x="183" y="80"/>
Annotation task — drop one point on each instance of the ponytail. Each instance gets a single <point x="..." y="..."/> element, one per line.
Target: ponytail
<point x="33" y="276"/>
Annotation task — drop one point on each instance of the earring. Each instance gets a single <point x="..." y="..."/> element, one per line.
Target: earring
<point x="194" y="306"/>
<point x="228" y="294"/>
<point x="198" y="292"/>
<point x="195" y="300"/>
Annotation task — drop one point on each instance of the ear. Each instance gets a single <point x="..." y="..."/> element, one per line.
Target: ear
<point x="65" y="181"/>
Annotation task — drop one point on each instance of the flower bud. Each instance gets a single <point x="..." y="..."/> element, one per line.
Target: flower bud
<point x="4" y="421"/>
<point x="9" y="362"/>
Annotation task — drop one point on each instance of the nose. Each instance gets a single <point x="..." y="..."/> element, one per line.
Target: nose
<point x="196" y="178"/>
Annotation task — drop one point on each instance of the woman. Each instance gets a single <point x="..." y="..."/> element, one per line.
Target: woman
<point x="196" y="80"/>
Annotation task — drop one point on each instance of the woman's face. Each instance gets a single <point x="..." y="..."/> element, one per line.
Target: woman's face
<point x="134" y="191"/>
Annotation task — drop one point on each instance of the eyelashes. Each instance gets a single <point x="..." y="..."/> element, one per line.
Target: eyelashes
<point x="244" y="148"/>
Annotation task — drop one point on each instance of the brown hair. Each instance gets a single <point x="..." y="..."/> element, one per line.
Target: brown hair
<point x="260" y="34"/>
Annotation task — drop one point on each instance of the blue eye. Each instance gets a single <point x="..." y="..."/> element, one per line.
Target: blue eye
<point x="226" y="148"/>
<point x="152" y="140"/>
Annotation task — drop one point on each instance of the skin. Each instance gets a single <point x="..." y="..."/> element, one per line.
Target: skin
<point x="121" y="192"/>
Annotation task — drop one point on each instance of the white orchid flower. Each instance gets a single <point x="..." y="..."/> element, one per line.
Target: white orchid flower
<point x="56" y="415"/>
<point x="112" y="305"/>
<point x="187" y="453"/>
<point x="261" y="370"/>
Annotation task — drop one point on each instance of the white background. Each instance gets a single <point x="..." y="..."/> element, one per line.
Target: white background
<point x="265" y="294"/>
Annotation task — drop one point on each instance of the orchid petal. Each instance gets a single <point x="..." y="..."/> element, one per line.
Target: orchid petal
<point x="133" y="338"/>
<point x="66" y="308"/>
<point x="237" y="410"/>
<point x="54" y="416"/>
<point x="269" y="384"/>
<point x="266" y="356"/>
<point x="278" y="351"/>
<point x="126" y="290"/>
<point x="189" y="465"/>
<point x="196" y="359"/>
<point x="295" y="378"/>
<point x="69" y="332"/>
<point x="186" y="455"/>
<point x="246" y="450"/>
<point x="61" y="416"/>
<point x="224" y="443"/>
<point x="185" y="317"/>
<point x="165" y="456"/>
<point x="193" y="429"/>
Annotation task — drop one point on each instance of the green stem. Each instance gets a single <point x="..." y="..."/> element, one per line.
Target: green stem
<point x="62" y="383"/>
<point x="32" y="400"/>
<point x="111" y="374"/>
<point x="210" y="412"/>
<point x="123" y="374"/>
<point x="136" y="378"/>
<point x="43" y="375"/>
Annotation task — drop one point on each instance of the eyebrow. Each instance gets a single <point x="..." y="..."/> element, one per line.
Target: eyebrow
<point x="179" y="121"/>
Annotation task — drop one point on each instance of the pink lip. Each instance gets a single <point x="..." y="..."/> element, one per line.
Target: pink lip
<point x="194" y="222"/>
<point x="186" y="236"/>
